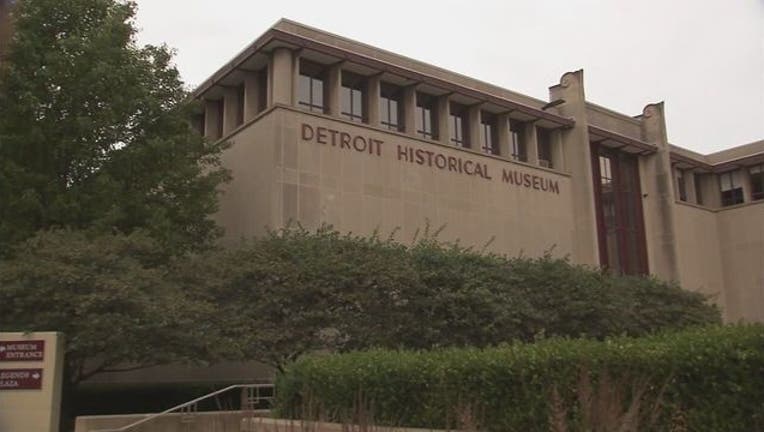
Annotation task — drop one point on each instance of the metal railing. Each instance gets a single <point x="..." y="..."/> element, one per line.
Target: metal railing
<point x="252" y="396"/>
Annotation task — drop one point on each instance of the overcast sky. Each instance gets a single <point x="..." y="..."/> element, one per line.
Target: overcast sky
<point x="704" y="58"/>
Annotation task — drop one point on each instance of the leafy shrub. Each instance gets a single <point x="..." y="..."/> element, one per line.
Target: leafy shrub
<point x="296" y="291"/>
<point x="708" y="378"/>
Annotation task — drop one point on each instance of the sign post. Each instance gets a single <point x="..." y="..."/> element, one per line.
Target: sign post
<point x="31" y="375"/>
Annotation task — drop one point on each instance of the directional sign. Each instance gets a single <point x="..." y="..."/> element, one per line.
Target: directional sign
<point x="22" y="350"/>
<point x="20" y="379"/>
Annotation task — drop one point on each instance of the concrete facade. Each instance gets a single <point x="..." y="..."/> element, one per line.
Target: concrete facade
<point x="304" y="158"/>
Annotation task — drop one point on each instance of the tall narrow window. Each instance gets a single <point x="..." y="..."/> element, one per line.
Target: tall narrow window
<point x="426" y="112"/>
<point x="619" y="211"/>
<point x="698" y="189"/>
<point x="262" y="90"/>
<point x="489" y="143"/>
<point x="310" y="92"/>
<point x="390" y="104"/>
<point x="457" y="124"/>
<point x="517" y="141"/>
<point x="352" y="97"/>
<point x="220" y="115"/>
<point x="757" y="182"/>
<point x="681" y="185"/>
<point x="544" y="137"/>
<point x="731" y="189"/>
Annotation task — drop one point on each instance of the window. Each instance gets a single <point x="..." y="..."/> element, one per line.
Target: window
<point x="698" y="189"/>
<point x="680" y="185"/>
<point x="620" y="224"/>
<point x="310" y="92"/>
<point x="426" y="116"/>
<point x="390" y="104"/>
<point x="732" y="191"/>
<point x="517" y="141"/>
<point x="757" y="182"/>
<point x="457" y="123"/>
<point x="352" y="95"/>
<point x="544" y="137"/>
<point x="262" y="90"/>
<point x="488" y="137"/>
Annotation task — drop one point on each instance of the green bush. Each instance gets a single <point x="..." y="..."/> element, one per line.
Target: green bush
<point x="304" y="291"/>
<point x="708" y="378"/>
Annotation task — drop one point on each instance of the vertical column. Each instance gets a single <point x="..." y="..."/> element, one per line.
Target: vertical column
<point x="531" y="142"/>
<point x="251" y="95"/>
<point x="281" y="77"/>
<point x="409" y="110"/>
<point x="709" y="188"/>
<point x="558" y="155"/>
<point x="689" y="186"/>
<point x="504" y="135"/>
<point x="373" y="84"/>
<point x="658" y="181"/>
<point x="744" y="177"/>
<point x="444" y="111"/>
<point x="230" y="109"/>
<point x="295" y="76"/>
<point x="333" y="88"/>
<point x="577" y="155"/>
<point x="212" y="116"/>
<point x="474" y="128"/>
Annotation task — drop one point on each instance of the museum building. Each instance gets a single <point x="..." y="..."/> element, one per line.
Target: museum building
<point x="328" y="130"/>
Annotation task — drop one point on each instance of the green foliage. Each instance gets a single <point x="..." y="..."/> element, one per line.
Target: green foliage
<point x="706" y="378"/>
<point x="111" y="298"/>
<point x="296" y="291"/>
<point x="94" y="131"/>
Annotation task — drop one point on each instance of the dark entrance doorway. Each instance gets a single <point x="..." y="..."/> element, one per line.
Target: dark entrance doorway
<point x="618" y="201"/>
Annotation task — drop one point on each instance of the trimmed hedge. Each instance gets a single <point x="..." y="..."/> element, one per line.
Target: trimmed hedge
<point x="709" y="378"/>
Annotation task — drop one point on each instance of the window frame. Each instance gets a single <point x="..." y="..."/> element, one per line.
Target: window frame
<point x="352" y="85"/>
<point x="426" y="108"/>
<point x="458" y="125"/>
<point x="733" y="195"/>
<point x="391" y="93"/>
<point x="314" y="73"/>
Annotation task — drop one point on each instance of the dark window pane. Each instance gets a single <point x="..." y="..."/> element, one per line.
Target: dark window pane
<point x="757" y="182"/>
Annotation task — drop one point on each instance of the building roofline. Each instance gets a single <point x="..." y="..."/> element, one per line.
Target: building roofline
<point x="280" y="32"/>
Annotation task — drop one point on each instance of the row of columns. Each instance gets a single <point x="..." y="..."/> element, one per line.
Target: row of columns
<point x="283" y="71"/>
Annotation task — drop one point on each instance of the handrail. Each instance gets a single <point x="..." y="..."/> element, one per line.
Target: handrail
<point x="183" y="405"/>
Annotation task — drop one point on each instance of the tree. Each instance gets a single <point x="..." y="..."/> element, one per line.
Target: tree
<point x="94" y="131"/>
<point x="112" y="298"/>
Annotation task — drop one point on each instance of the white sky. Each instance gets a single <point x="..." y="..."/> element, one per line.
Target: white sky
<point x="704" y="58"/>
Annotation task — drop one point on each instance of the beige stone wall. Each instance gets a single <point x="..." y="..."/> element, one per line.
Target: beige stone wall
<point x="700" y="266"/>
<point x="246" y="203"/>
<point x="741" y="246"/>
<point x="279" y="176"/>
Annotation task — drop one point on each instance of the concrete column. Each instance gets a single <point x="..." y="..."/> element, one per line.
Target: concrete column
<point x="689" y="185"/>
<point x="409" y="110"/>
<point x="659" y="205"/>
<point x="230" y="109"/>
<point x="281" y="77"/>
<point x="443" y="114"/>
<point x="531" y="142"/>
<point x="212" y="114"/>
<point x="373" y="84"/>
<point x="333" y="87"/>
<point x="558" y="154"/>
<point x="474" y="127"/>
<point x="578" y="160"/>
<point x="709" y="188"/>
<point x="744" y="177"/>
<point x="251" y="94"/>
<point x="504" y="138"/>
<point x="295" y="75"/>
